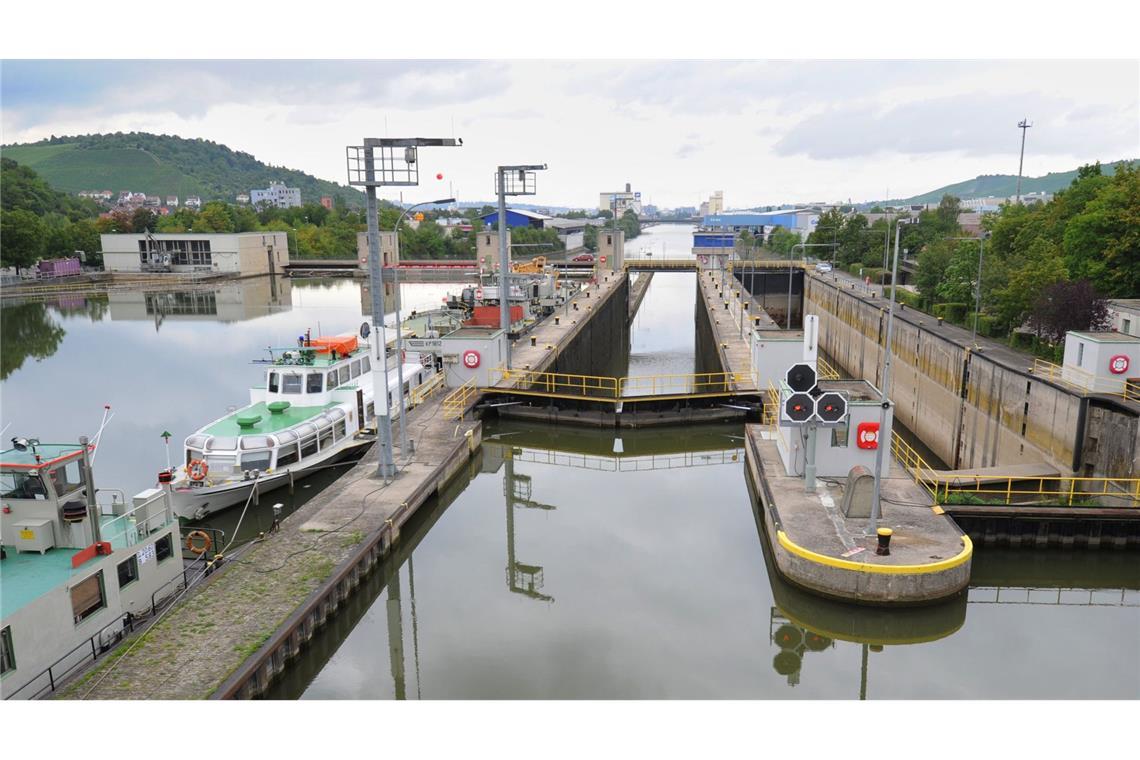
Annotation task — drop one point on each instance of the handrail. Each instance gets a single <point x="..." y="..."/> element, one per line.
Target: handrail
<point x="125" y="620"/>
<point x="607" y="388"/>
<point x="824" y="369"/>
<point x="455" y="403"/>
<point x="426" y="389"/>
<point x="1084" y="381"/>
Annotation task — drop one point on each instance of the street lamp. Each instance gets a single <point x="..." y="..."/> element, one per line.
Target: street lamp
<point x="978" y="304"/>
<point x="399" y="331"/>
<point x="510" y="180"/>
<point x="873" y="524"/>
<point x="375" y="164"/>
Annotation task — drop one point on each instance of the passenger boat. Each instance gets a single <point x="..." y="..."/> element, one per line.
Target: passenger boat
<point x="317" y="407"/>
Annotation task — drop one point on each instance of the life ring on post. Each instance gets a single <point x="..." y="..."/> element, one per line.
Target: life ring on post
<point x="194" y="546"/>
<point x="197" y="469"/>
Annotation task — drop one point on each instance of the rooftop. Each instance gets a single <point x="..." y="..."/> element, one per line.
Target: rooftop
<point x="269" y="422"/>
<point x="43" y="455"/>
<point x="1108" y="336"/>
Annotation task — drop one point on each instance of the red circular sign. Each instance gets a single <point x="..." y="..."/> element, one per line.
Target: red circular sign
<point x="1118" y="364"/>
<point x="479" y="293"/>
<point x="603" y="259"/>
<point x="470" y="359"/>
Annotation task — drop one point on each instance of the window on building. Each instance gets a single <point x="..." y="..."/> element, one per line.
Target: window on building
<point x="128" y="571"/>
<point x="314" y="382"/>
<point x="164" y="548"/>
<point x="1080" y="354"/>
<point x="839" y="437"/>
<point x="291" y="383"/>
<point x="1126" y="326"/>
<point x="273" y="382"/>
<point x="87" y="597"/>
<point x="7" y="653"/>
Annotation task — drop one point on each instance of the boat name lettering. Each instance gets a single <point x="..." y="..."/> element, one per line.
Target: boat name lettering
<point x="422" y="343"/>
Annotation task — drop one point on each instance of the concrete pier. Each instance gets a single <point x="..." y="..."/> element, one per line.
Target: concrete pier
<point x="229" y="635"/>
<point x="817" y="548"/>
<point x="637" y="292"/>
<point x="731" y="339"/>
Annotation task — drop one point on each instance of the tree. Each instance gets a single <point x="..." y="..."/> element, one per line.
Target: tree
<point x="782" y="241"/>
<point x="215" y="216"/>
<point x="932" y="263"/>
<point x="1027" y="277"/>
<point x="590" y="237"/>
<point x="22" y="236"/>
<point x="1066" y="306"/>
<point x="1102" y="242"/>
<point x="630" y="224"/>
<point x="144" y="219"/>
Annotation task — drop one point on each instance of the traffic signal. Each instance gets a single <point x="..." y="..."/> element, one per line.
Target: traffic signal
<point x="831" y="408"/>
<point x="800" y="377"/>
<point x="799" y="407"/>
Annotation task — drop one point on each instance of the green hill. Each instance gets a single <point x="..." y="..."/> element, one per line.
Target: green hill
<point x="1001" y="186"/>
<point x="162" y="165"/>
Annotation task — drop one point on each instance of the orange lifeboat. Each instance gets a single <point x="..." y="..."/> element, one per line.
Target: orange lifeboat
<point x="342" y="344"/>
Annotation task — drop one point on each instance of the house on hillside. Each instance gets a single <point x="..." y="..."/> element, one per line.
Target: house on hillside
<point x="277" y="194"/>
<point x="242" y="199"/>
<point x="193" y="201"/>
<point x="172" y="201"/>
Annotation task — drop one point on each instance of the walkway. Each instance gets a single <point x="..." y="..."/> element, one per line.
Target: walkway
<point x="730" y="327"/>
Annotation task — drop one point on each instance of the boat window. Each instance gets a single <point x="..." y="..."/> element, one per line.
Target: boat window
<point x="21" y="485"/>
<point x="332" y="380"/>
<point x="339" y="430"/>
<point x="355" y="369"/>
<point x="163" y="548"/>
<point x="66" y="478"/>
<point x="273" y="382"/>
<point x="220" y="466"/>
<point x="258" y="460"/>
<point x="87" y="597"/>
<point x="314" y="382"/>
<point x="291" y="383"/>
<point x="7" y="654"/>
<point x="365" y="364"/>
<point x="344" y="378"/>
<point x="191" y="455"/>
<point x="370" y="410"/>
<point x="256" y="442"/>
<point x="326" y="437"/>
<point x="221" y="443"/>
<point x="128" y="571"/>
<point x="308" y="446"/>
<point x="287" y="455"/>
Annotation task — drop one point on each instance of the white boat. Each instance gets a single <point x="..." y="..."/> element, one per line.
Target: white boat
<point x="317" y="407"/>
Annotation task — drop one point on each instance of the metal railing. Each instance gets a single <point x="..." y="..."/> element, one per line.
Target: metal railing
<point x="617" y="389"/>
<point x="127" y="530"/>
<point x="426" y="389"/>
<point x="456" y="403"/>
<point x="771" y="414"/>
<point x="87" y="651"/>
<point x="1016" y="489"/>
<point x="1084" y="381"/>
<point x="1053" y="597"/>
<point x="824" y="370"/>
<point x="632" y="463"/>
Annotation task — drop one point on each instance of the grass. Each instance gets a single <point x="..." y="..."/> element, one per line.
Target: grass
<point x="352" y="539"/>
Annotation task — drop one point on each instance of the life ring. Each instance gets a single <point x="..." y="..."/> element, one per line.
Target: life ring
<point x="197" y="469"/>
<point x="202" y="548"/>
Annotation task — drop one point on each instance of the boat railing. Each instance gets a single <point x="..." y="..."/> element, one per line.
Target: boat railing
<point x="136" y="524"/>
<point x="83" y="653"/>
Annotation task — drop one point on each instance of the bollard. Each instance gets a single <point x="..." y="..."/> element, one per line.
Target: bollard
<point x="884" y="547"/>
<point x="940" y="321"/>
<point x="575" y="306"/>
<point x="533" y="341"/>
<point x="556" y="320"/>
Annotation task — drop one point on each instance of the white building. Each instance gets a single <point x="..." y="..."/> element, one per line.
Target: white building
<point x="1125" y="315"/>
<point x="172" y="201"/>
<point x="276" y="195"/>
<point x="620" y="202"/>
<point x="1101" y="362"/>
<point x="242" y="199"/>
<point x="244" y="253"/>
<point x="193" y="201"/>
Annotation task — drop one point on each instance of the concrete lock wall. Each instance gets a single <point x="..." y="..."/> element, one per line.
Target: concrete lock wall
<point x="602" y="347"/>
<point x="970" y="411"/>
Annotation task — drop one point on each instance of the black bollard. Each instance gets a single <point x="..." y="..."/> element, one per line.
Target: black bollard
<point x="884" y="547"/>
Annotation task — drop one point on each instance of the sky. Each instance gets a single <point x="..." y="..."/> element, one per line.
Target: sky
<point x="764" y="132"/>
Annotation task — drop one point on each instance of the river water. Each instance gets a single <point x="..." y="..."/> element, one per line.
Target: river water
<point x="568" y="563"/>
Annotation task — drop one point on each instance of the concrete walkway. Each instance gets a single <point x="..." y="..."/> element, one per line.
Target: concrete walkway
<point x="731" y="338"/>
<point x="210" y="633"/>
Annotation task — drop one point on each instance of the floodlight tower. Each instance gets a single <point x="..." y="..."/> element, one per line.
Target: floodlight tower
<point x="510" y="180"/>
<point x="375" y="164"/>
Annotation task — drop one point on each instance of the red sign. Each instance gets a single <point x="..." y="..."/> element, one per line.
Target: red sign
<point x="479" y="293"/>
<point x="867" y="435"/>
<point x="1118" y="364"/>
<point x="603" y="259"/>
<point x="471" y="359"/>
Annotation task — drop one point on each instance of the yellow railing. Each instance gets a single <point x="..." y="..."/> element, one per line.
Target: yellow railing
<point x="747" y="264"/>
<point x="601" y="388"/>
<point x="426" y="389"/>
<point x="1015" y="488"/>
<point x="771" y="406"/>
<point x="1083" y="380"/>
<point x="660" y="263"/>
<point x="456" y="402"/>
<point x="824" y="370"/>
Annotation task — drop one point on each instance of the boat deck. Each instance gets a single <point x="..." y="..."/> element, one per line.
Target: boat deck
<point x="269" y="423"/>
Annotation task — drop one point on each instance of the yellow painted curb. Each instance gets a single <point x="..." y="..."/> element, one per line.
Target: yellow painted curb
<point x="863" y="567"/>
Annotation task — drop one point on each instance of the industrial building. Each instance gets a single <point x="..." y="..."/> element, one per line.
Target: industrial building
<point x="801" y="221"/>
<point x="276" y="195"/>
<point x="242" y="253"/>
<point x="516" y="217"/>
<point x="620" y="202"/>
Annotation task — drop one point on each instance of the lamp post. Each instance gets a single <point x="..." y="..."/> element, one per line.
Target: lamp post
<point x="509" y="180"/>
<point x="399" y="331"/>
<point x="374" y="164"/>
<point x="978" y="298"/>
<point x="885" y="404"/>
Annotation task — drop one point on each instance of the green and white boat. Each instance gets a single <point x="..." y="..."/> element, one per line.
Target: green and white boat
<point x="317" y="407"/>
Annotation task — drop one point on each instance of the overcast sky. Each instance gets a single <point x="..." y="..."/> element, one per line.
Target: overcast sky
<point x="763" y="132"/>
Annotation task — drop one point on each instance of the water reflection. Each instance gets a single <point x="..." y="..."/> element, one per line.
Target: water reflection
<point x="27" y="331"/>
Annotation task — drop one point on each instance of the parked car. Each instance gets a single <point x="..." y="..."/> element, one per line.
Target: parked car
<point x="823" y="266"/>
<point x="584" y="257"/>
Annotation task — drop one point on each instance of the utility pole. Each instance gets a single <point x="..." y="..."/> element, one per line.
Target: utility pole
<point x="1023" y="125"/>
<point x="377" y="164"/>
<point x="510" y="180"/>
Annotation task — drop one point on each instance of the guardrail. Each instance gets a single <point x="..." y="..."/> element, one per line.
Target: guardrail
<point x="824" y="370"/>
<point x="87" y="651"/>
<point x="426" y="389"/>
<point x="616" y="389"/>
<point x="456" y="402"/>
<point x="1084" y="381"/>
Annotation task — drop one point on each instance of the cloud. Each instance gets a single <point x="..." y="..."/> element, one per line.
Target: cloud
<point x="976" y="124"/>
<point x="38" y="91"/>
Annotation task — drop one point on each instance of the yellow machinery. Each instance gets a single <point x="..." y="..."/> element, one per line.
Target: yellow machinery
<point x="537" y="265"/>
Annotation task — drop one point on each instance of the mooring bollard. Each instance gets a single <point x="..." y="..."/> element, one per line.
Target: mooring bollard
<point x="884" y="547"/>
<point x="533" y="341"/>
<point x="556" y="320"/>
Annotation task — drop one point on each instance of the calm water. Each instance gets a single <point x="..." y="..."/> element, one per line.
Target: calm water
<point x="555" y="567"/>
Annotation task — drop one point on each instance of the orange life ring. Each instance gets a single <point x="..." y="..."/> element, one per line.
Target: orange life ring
<point x="201" y="548"/>
<point x="197" y="469"/>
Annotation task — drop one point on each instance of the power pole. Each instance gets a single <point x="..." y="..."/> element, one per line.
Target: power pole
<point x="1023" y="125"/>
